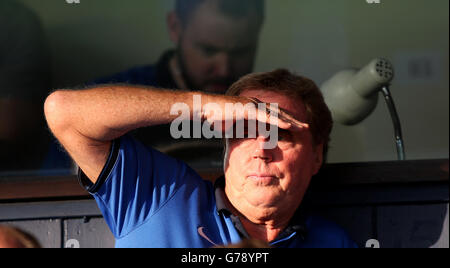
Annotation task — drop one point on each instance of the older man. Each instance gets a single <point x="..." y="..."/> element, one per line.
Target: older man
<point x="151" y="200"/>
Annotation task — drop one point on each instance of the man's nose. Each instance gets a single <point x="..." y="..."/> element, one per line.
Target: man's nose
<point x="260" y="152"/>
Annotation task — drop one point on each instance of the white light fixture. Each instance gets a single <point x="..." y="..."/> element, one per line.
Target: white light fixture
<point x="352" y="95"/>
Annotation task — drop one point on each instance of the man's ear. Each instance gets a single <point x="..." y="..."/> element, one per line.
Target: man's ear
<point x="225" y="154"/>
<point x="318" y="158"/>
<point x="174" y="26"/>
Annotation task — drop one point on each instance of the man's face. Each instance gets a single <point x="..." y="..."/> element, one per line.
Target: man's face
<point x="214" y="50"/>
<point x="271" y="180"/>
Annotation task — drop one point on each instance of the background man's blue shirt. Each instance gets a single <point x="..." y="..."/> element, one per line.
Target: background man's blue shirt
<point x="149" y="199"/>
<point x="142" y="75"/>
<point x="156" y="75"/>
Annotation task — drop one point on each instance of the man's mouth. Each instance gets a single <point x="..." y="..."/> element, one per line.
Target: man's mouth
<point x="262" y="178"/>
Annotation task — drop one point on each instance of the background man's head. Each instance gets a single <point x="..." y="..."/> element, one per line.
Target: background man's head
<point x="273" y="181"/>
<point x="216" y="40"/>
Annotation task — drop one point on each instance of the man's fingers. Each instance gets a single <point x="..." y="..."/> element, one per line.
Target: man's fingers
<point x="295" y="124"/>
<point x="267" y="113"/>
<point x="298" y="126"/>
<point x="274" y="116"/>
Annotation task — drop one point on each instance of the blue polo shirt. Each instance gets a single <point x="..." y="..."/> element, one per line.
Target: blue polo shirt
<point x="149" y="199"/>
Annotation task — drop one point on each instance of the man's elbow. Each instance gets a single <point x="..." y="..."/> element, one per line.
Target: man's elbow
<point x="55" y="110"/>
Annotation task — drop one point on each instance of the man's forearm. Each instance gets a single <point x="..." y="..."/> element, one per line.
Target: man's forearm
<point x="108" y="112"/>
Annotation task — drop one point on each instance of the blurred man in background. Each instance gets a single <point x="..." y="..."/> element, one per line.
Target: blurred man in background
<point x="216" y="43"/>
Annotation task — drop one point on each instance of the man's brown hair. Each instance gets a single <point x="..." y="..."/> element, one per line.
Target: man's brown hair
<point x="234" y="8"/>
<point x="301" y="88"/>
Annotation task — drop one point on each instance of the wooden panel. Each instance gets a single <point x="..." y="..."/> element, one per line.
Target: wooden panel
<point x="331" y="175"/>
<point x="41" y="187"/>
